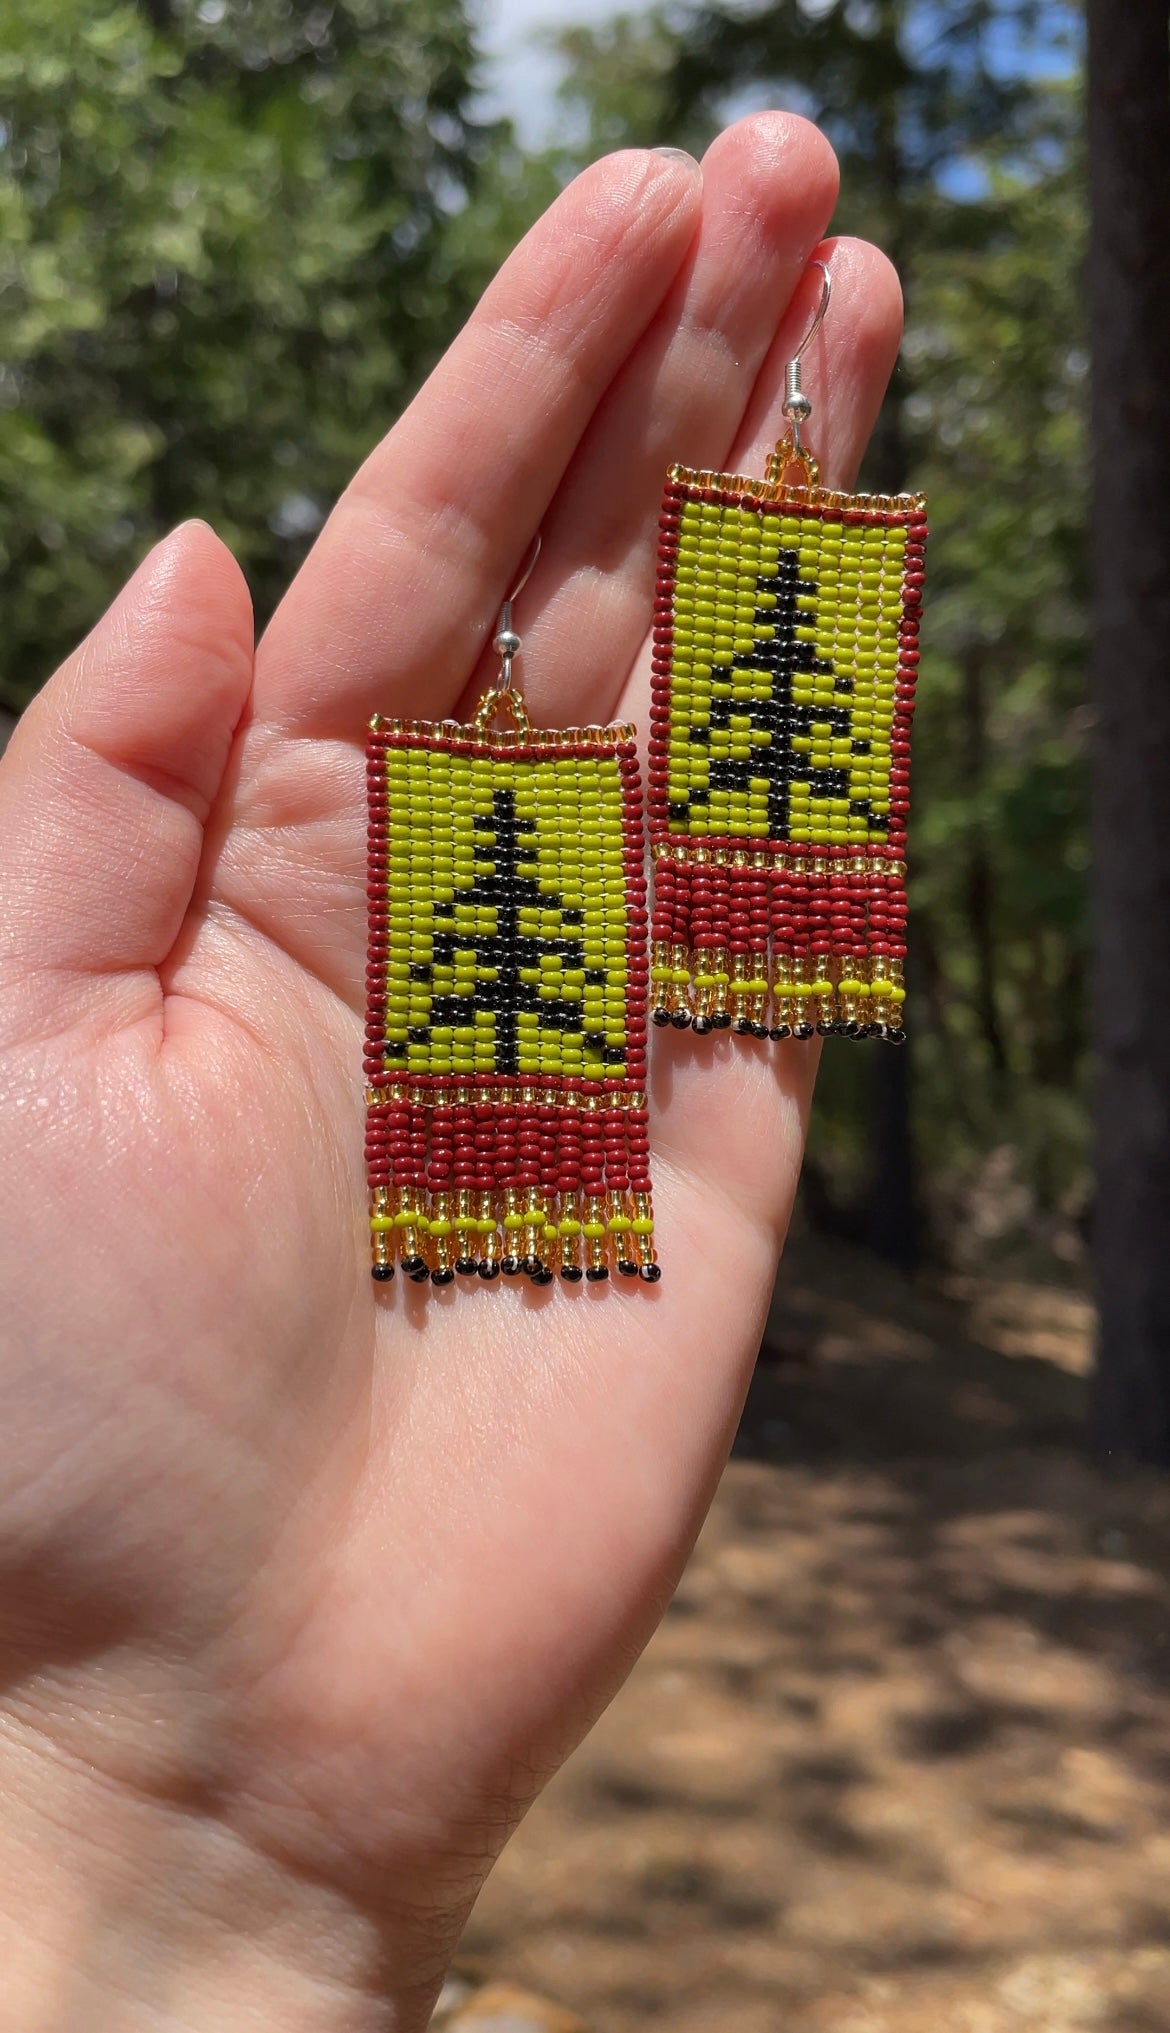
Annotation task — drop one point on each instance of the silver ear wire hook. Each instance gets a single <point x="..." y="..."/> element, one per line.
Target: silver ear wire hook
<point x="507" y="642"/>
<point x="797" y="407"/>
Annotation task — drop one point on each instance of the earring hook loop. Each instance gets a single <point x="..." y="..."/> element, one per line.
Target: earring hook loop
<point x="797" y="408"/>
<point x="507" y="642"/>
<point x="526" y="569"/>
<point x="503" y="696"/>
<point x="822" y="308"/>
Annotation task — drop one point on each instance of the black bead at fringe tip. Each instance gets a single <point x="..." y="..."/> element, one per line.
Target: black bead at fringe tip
<point x="419" y="1272"/>
<point x="681" y="1020"/>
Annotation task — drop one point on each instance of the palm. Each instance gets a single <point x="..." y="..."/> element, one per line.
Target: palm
<point x="394" y="1555"/>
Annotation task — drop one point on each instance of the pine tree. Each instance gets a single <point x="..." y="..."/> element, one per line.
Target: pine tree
<point x="227" y="255"/>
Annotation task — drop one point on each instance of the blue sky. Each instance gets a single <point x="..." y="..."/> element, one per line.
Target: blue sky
<point x="522" y="78"/>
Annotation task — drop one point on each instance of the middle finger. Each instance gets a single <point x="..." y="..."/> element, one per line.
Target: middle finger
<point x="769" y="187"/>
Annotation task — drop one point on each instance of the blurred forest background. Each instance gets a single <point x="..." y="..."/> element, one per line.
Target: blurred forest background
<point x="235" y="234"/>
<point x="899" y="1757"/>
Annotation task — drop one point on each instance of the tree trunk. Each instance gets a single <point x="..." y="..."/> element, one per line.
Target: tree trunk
<point x="1129" y="273"/>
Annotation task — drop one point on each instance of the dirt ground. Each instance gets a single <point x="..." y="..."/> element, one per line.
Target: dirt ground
<point x="898" y="1761"/>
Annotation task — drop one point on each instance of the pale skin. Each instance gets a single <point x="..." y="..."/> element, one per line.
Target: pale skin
<point x="305" y="1588"/>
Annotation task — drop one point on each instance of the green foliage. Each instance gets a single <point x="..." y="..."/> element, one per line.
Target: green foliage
<point x="224" y="264"/>
<point x="998" y="356"/>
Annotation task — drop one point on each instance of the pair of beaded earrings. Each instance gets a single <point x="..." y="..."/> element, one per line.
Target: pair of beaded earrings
<point x="508" y="979"/>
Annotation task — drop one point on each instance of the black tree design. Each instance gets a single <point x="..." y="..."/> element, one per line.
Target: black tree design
<point x="509" y="951"/>
<point x="784" y="657"/>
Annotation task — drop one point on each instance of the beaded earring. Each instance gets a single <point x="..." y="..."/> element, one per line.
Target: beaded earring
<point x="507" y="988"/>
<point x="785" y="662"/>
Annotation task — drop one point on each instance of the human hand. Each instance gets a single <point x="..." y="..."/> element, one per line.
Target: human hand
<point x="305" y="1593"/>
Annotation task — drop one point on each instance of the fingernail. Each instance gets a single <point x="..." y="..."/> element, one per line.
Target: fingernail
<point x="679" y="155"/>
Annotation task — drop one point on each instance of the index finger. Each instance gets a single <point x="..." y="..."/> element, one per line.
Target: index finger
<point x="389" y="610"/>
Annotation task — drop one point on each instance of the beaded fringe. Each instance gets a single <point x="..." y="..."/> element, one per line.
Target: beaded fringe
<point x="446" y="1198"/>
<point x="779" y="947"/>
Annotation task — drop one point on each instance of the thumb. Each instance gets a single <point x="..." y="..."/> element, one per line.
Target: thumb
<point x="109" y="778"/>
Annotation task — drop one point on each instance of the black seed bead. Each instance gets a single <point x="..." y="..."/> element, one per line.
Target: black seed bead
<point x="759" y="1030"/>
<point x="571" y="1273"/>
<point x="466" y="1266"/>
<point x="721" y="1021"/>
<point x="542" y="1276"/>
<point x="701" y="1026"/>
<point x="681" y="1019"/>
<point x="530" y="1266"/>
<point x="802" y="1031"/>
<point x="510" y="1266"/>
<point x="660" y="1017"/>
<point x="650" y="1273"/>
<point x="850" y="1030"/>
<point x="742" y="1027"/>
<point x="441" y="1277"/>
<point x="413" y="1265"/>
<point x="382" y="1272"/>
<point x="895" y="1035"/>
<point x="825" y="1030"/>
<point x="779" y="1031"/>
<point x="626" y="1269"/>
<point x="596" y="1274"/>
<point x="489" y="1271"/>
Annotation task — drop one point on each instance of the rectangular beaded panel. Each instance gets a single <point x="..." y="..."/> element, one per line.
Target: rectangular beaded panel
<point x="507" y="991"/>
<point x="785" y="662"/>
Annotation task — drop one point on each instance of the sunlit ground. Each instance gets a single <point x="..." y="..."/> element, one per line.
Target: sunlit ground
<point x="899" y="1759"/>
